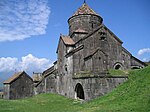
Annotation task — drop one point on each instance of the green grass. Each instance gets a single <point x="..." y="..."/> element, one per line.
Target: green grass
<point x="132" y="96"/>
<point x="113" y="72"/>
<point x="40" y="103"/>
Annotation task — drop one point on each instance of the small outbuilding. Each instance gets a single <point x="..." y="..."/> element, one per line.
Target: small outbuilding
<point x="20" y="85"/>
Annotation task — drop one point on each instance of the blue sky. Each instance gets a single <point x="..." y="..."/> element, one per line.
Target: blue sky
<point x="30" y="29"/>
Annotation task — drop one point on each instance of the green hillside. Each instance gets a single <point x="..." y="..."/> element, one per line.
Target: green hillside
<point x="132" y="96"/>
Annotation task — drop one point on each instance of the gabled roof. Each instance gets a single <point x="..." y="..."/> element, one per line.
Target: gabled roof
<point x="14" y="77"/>
<point x="93" y="52"/>
<point x="67" y="40"/>
<point x="120" y="41"/>
<point x="90" y="33"/>
<point x="96" y="29"/>
<point x="48" y="71"/>
<point x="85" y="10"/>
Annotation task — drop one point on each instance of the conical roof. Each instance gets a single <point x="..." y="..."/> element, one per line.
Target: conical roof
<point x="84" y="9"/>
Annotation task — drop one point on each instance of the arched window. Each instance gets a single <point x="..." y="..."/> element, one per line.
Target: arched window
<point x="136" y="67"/>
<point x="79" y="93"/>
<point x="118" y="66"/>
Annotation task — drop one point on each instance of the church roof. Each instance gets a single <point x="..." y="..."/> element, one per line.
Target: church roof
<point x="67" y="40"/>
<point x="85" y="9"/>
<point x="14" y="77"/>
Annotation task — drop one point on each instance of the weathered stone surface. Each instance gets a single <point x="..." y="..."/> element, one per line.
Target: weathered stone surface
<point x="20" y="85"/>
<point x="82" y="67"/>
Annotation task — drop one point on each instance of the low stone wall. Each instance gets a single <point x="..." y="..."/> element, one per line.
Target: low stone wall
<point x="87" y="88"/>
<point x="97" y="86"/>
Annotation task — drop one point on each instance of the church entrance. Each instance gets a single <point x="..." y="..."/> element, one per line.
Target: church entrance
<point x="79" y="93"/>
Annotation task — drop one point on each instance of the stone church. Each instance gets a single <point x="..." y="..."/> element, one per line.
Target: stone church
<point x="84" y="57"/>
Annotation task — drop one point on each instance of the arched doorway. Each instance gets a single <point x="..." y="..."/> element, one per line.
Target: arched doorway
<point x="79" y="93"/>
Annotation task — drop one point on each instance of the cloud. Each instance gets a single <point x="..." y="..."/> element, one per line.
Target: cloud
<point x="27" y="63"/>
<point x="22" y="19"/>
<point x="144" y="54"/>
<point x="143" y="51"/>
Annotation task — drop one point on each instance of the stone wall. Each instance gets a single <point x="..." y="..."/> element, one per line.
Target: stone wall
<point x="20" y="88"/>
<point x="97" y="86"/>
<point x="6" y="91"/>
<point x="136" y="63"/>
<point x="85" y="22"/>
<point x="93" y="86"/>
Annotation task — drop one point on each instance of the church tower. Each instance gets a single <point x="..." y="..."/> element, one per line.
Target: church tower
<point x="84" y="20"/>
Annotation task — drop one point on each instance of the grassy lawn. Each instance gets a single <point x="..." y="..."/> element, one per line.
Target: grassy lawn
<point x="40" y="103"/>
<point x="132" y="96"/>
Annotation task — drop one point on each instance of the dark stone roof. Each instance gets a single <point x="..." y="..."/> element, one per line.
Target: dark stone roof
<point x="67" y="40"/>
<point x="48" y="71"/>
<point x="85" y="10"/>
<point x="15" y="77"/>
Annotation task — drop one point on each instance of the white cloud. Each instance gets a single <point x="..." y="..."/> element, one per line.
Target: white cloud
<point x="143" y="51"/>
<point x="22" y="19"/>
<point x="27" y="63"/>
<point x="144" y="54"/>
<point x="8" y="64"/>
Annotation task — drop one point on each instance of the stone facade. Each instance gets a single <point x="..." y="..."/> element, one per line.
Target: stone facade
<point x="20" y="85"/>
<point x="84" y="58"/>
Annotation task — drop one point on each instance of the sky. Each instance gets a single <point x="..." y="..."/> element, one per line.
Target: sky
<point x="30" y="30"/>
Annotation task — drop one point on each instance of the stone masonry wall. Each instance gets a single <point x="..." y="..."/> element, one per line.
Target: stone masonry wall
<point x="21" y="88"/>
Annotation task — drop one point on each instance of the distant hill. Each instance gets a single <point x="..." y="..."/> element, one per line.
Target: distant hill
<point x="131" y="96"/>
